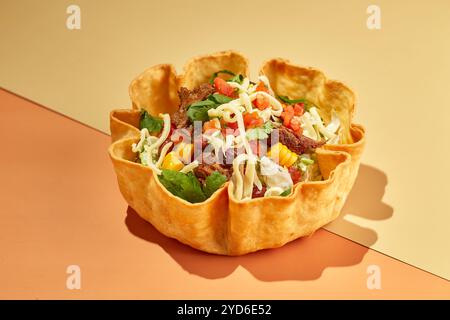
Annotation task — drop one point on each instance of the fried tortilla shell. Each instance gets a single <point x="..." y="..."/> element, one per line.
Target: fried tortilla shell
<point x="221" y="224"/>
<point x="297" y="82"/>
<point x="124" y="124"/>
<point x="156" y="89"/>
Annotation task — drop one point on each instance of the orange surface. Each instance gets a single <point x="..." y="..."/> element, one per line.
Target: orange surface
<point x="61" y="206"/>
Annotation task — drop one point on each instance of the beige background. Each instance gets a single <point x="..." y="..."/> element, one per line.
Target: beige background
<point x="400" y="73"/>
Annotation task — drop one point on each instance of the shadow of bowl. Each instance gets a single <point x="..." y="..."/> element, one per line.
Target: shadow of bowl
<point x="302" y="259"/>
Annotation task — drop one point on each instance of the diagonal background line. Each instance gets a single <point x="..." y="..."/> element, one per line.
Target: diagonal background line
<point x="106" y="134"/>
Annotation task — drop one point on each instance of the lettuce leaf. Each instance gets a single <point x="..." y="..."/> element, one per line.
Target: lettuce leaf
<point x="239" y="78"/>
<point x="285" y="99"/>
<point x="153" y="125"/>
<point x="260" y="133"/>
<point x="215" y="74"/>
<point x="219" y="98"/>
<point x="183" y="185"/>
<point x="186" y="185"/>
<point x="213" y="182"/>
<point x="198" y="111"/>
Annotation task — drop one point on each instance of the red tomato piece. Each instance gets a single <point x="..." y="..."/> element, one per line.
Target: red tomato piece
<point x="261" y="102"/>
<point x="258" y="193"/>
<point x="262" y="87"/>
<point x="211" y="125"/>
<point x="296" y="174"/>
<point x="231" y="125"/>
<point x="223" y="87"/>
<point x="250" y="118"/>
<point x="295" y="124"/>
<point x="299" y="109"/>
<point x="287" y="115"/>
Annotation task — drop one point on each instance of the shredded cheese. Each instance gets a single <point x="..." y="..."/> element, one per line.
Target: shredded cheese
<point x="232" y="112"/>
<point x="313" y="126"/>
<point x="139" y="146"/>
<point x="274" y="191"/>
<point x="163" y="154"/>
<point x="243" y="182"/>
<point x="273" y="102"/>
<point x="150" y="144"/>
<point x="191" y="166"/>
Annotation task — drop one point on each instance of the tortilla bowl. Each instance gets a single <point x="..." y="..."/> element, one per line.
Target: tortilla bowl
<point x="221" y="224"/>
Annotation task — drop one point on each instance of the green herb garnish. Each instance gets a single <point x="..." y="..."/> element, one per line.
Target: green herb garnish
<point x="239" y="78"/>
<point x="153" y="124"/>
<point x="213" y="182"/>
<point x="285" y="193"/>
<point x="285" y="99"/>
<point x="260" y="132"/>
<point x="188" y="187"/>
<point x="215" y="74"/>
<point x="198" y="111"/>
<point x="219" y="98"/>
<point x="183" y="185"/>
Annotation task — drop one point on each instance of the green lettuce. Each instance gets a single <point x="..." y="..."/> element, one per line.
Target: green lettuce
<point x="215" y="74"/>
<point x="198" y="111"/>
<point x="285" y="99"/>
<point x="213" y="182"/>
<point x="260" y="133"/>
<point x="183" y="185"/>
<point x="153" y="125"/>
<point x="188" y="187"/>
<point x="286" y="192"/>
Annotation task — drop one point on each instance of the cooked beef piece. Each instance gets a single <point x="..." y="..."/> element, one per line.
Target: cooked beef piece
<point x="297" y="143"/>
<point x="188" y="97"/>
<point x="203" y="170"/>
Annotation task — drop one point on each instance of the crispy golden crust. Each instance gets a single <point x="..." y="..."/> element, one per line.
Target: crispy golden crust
<point x="199" y="70"/>
<point x="124" y="124"/>
<point x="155" y="90"/>
<point x="297" y="82"/>
<point x="221" y="224"/>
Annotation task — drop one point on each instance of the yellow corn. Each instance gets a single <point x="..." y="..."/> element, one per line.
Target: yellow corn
<point x="171" y="162"/>
<point x="184" y="151"/>
<point x="281" y="154"/>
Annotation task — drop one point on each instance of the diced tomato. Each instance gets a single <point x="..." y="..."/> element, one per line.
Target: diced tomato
<point x="290" y="117"/>
<point x="287" y="115"/>
<point x="256" y="123"/>
<point x="211" y="125"/>
<point x="262" y="87"/>
<point x="295" y="124"/>
<point x="256" y="193"/>
<point x="296" y="174"/>
<point x="252" y="120"/>
<point x="224" y="87"/>
<point x="261" y="102"/>
<point x="231" y="125"/>
<point x="299" y="108"/>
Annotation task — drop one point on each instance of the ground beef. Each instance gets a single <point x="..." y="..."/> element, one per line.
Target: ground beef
<point x="203" y="170"/>
<point x="297" y="143"/>
<point x="188" y="97"/>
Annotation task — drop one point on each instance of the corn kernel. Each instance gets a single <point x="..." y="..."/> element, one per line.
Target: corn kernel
<point x="171" y="162"/>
